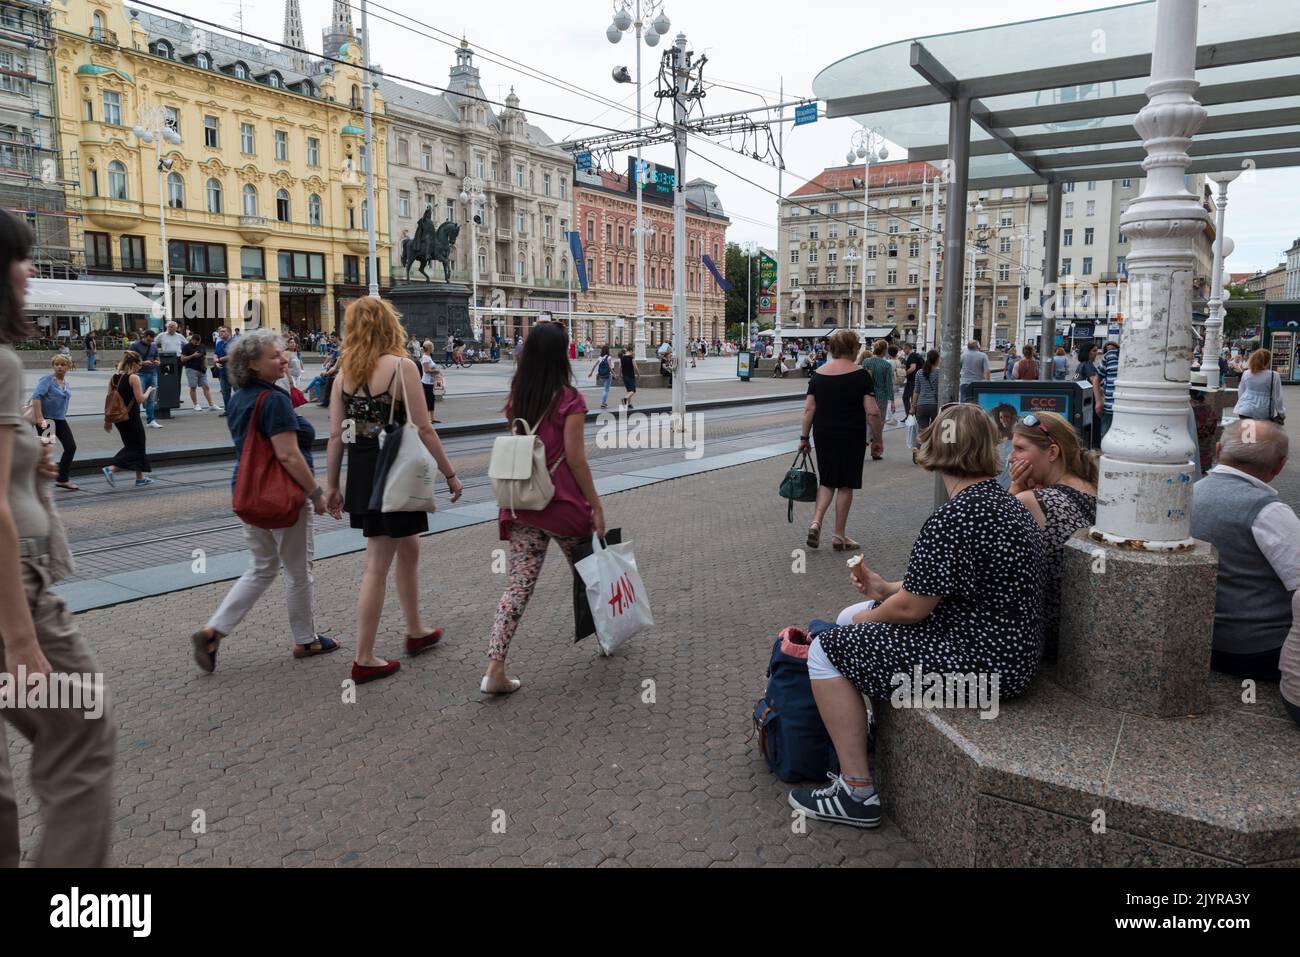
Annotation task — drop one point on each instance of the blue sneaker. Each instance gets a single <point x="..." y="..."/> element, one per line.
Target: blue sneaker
<point x="143" y="481"/>
<point x="108" y="475"/>
<point x="837" y="804"/>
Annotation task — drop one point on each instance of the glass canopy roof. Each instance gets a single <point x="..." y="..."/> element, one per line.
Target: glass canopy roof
<point x="1061" y="103"/>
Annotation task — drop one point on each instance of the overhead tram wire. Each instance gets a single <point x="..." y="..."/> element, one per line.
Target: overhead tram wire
<point x="565" y="85"/>
<point x="491" y="56"/>
<point x="381" y="74"/>
<point x="856" y="224"/>
<point x="570" y="120"/>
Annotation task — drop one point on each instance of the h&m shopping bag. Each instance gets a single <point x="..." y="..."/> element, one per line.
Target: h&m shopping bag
<point x="619" y="604"/>
<point x="583" y="623"/>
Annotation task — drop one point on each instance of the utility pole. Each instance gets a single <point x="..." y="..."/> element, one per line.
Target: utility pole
<point x="372" y="217"/>
<point x="638" y="348"/>
<point x="681" y="90"/>
<point x="749" y="295"/>
<point x="920" y="291"/>
<point x="931" y="328"/>
<point x="780" y="168"/>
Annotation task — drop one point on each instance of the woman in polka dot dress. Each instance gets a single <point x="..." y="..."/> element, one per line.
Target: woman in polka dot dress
<point x="970" y="602"/>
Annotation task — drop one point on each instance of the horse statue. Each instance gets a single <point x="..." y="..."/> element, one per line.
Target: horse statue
<point x="430" y="244"/>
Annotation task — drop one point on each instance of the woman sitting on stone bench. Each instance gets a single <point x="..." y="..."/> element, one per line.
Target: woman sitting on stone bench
<point x="1057" y="481"/>
<point x="970" y="603"/>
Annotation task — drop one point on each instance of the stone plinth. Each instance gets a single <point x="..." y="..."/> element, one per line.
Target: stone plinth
<point x="432" y="310"/>
<point x="1057" y="781"/>
<point x="1136" y="626"/>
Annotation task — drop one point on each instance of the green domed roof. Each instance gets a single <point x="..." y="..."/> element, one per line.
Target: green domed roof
<point x="353" y="131"/>
<point x="344" y="49"/>
<point x="92" y="69"/>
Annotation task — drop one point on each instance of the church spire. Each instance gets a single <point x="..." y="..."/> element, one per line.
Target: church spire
<point x="340" y="29"/>
<point x="293" y="35"/>
<point x="341" y="21"/>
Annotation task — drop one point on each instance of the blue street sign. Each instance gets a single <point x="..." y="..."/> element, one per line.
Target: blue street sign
<point x="807" y="113"/>
<point x="583" y="161"/>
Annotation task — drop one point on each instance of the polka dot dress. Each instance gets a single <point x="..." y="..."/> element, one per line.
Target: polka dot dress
<point x="983" y="555"/>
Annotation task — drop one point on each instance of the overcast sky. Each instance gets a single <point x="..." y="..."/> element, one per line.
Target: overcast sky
<point x="753" y="45"/>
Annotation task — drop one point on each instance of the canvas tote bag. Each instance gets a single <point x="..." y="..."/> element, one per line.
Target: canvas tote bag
<point x="406" y="475"/>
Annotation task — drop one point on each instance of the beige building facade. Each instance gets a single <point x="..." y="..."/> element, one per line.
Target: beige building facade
<point x="449" y="143"/>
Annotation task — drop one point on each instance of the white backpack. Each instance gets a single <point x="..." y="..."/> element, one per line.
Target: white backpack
<point x="520" y="478"/>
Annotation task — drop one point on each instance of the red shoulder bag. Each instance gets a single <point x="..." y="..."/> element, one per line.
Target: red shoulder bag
<point x="266" y="496"/>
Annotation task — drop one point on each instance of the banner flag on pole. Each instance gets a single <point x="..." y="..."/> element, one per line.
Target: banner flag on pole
<point x="579" y="264"/>
<point x="708" y="264"/>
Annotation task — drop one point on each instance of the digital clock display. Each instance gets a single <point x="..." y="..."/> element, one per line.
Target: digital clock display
<point x="661" y="180"/>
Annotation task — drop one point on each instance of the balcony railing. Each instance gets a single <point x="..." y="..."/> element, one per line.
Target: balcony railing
<point x="103" y="36"/>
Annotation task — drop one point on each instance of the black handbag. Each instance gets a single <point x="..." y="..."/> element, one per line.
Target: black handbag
<point x="1279" y="418"/>
<point x="583" y="623"/>
<point x="799" y="484"/>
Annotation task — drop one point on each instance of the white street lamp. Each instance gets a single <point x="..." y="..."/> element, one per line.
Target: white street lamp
<point x="634" y="15"/>
<point x="868" y="146"/>
<point x="749" y="248"/>
<point x="1222" y="250"/>
<point x="472" y="197"/>
<point x="154" y="128"/>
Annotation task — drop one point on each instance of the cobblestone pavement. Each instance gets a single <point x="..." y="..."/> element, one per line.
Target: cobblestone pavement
<point x="583" y="768"/>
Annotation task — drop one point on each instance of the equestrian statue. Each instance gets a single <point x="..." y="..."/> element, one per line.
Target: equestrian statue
<point x="430" y="244"/>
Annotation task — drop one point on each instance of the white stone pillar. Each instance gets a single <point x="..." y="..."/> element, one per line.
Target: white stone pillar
<point x="1144" y="497"/>
<point x="1222" y="249"/>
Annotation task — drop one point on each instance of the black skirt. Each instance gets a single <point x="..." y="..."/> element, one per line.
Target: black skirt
<point x="131" y="456"/>
<point x="839" y="457"/>
<point x="356" y="498"/>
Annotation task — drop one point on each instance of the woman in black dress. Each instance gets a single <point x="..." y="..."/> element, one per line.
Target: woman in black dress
<point x="627" y="366"/>
<point x="131" y="457"/>
<point x="969" y="604"/>
<point x="841" y="400"/>
<point x="367" y="394"/>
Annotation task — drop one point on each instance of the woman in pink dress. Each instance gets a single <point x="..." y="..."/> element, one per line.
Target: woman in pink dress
<point x="542" y="394"/>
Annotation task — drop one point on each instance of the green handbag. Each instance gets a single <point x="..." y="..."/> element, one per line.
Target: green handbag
<point x="799" y="484"/>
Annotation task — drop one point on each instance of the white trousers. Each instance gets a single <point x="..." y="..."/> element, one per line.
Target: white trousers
<point x="272" y="549"/>
<point x="819" y="665"/>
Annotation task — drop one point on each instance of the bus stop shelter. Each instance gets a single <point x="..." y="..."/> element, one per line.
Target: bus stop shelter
<point x="1060" y="107"/>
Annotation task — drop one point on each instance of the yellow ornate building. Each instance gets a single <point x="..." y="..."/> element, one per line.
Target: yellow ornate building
<point x="264" y="193"/>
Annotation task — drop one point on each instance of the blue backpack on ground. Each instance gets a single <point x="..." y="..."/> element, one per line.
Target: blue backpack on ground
<point x="790" y="732"/>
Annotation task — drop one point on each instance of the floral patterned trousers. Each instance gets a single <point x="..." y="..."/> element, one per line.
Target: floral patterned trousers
<point x="527" y="553"/>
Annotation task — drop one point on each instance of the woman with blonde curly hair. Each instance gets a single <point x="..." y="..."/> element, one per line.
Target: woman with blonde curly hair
<point x="368" y="394"/>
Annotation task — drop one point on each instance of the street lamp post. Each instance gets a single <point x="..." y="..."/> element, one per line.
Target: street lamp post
<point x="635" y="14"/>
<point x="1222" y="249"/>
<point x="1144" y="494"/>
<point x="869" y="146"/>
<point x="979" y="236"/>
<point x="372" y="219"/>
<point x="472" y="197"/>
<point x="931" y="322"/>
<point x="749" y="248"/>
<point x="154" y="128"/>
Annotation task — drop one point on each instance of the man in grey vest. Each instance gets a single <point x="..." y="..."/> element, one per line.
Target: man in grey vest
<point x="1258" y="538"/>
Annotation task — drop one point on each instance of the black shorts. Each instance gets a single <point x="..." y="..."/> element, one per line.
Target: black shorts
<point x="629" y="383"/>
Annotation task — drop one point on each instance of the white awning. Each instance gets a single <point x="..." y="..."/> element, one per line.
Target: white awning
<point x="797" y="333"/>
<point x="876" y="332"/>
<point x="71" y="297"/>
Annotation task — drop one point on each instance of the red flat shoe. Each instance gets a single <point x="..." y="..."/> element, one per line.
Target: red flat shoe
<point x="363" y="673"/>
<point x="416" y="645"/>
